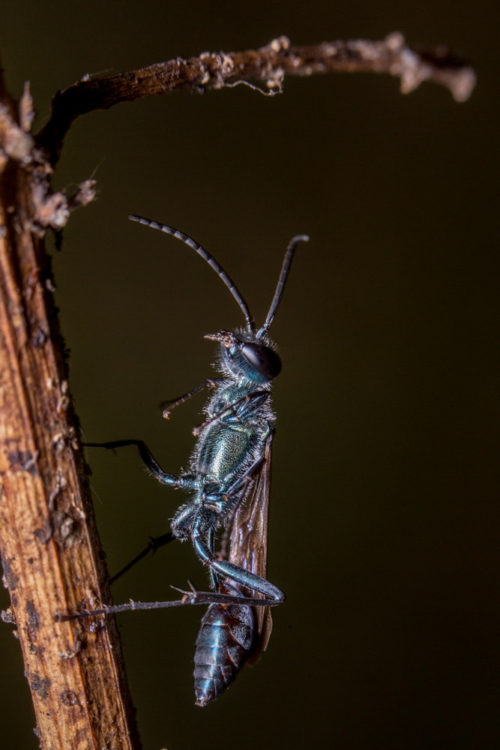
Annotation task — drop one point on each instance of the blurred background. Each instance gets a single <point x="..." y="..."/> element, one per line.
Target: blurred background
<point x="383" y="505"/>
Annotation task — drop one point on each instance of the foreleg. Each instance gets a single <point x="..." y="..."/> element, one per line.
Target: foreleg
<point x="240" y="409"/>
<point x="168" y="406"/>
<point x="184" y="481"/>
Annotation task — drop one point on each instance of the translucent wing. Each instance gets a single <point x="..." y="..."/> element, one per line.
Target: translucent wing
<point x="231" y="635"/>
<point x="247" y="544"/>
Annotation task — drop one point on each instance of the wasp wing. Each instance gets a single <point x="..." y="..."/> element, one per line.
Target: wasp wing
<point x="247" y="544"/>
<point x="233" y="634"/>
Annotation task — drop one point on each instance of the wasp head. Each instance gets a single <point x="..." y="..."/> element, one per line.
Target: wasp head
<point x="244" y="356"/>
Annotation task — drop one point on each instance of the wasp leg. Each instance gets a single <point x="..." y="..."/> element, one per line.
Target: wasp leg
<point x="170" y="404"/>
<point x="248" y="402"/>
<point x="184" y="482"/>
<point x="240" y="484"/>
<point x="226" y="569"/>
<point x="154" y="544"/>
<point x="233" y="492"/>
<point x="191" y="597"/>
<point x="247" y="477"/>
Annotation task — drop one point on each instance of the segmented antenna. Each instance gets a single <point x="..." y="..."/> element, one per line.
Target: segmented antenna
<point x="285" y="268"/>
<point x="206" y="256"/>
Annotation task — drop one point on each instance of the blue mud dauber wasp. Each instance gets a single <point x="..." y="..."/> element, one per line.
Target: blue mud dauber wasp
<point x="229" y="479"/>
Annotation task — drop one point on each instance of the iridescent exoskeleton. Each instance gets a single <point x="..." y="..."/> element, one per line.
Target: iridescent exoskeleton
<point x="228" y="478"/>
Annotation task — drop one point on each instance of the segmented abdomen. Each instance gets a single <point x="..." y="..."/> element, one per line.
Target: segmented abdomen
<point x="225" y="641"/>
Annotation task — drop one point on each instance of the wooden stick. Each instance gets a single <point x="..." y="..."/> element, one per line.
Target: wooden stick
<point x="52" y="559"/>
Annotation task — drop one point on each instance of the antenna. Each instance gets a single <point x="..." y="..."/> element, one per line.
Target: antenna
<point x="285" y="268"/>
<point x="206" y="256"/>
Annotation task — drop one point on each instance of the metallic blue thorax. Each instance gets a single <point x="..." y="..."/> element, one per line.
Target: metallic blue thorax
<point x="228" y="445"/>
<point x="239" y="419"/>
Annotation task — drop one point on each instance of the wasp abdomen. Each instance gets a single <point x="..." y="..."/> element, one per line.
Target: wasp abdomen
<point x="225" y="641"/>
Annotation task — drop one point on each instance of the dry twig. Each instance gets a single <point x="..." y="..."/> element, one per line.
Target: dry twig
<point x="268" y="65"/>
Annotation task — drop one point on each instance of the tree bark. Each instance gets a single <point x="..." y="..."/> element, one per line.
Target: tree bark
<point x="52" y="559"/>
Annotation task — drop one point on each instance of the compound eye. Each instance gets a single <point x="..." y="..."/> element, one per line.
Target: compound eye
<point x="264" y="360"/>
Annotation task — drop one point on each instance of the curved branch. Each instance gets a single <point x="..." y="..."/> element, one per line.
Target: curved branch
<point x="268" y="65"/>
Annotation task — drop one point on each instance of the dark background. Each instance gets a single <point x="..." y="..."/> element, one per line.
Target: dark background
<point x="383" y="504"/>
